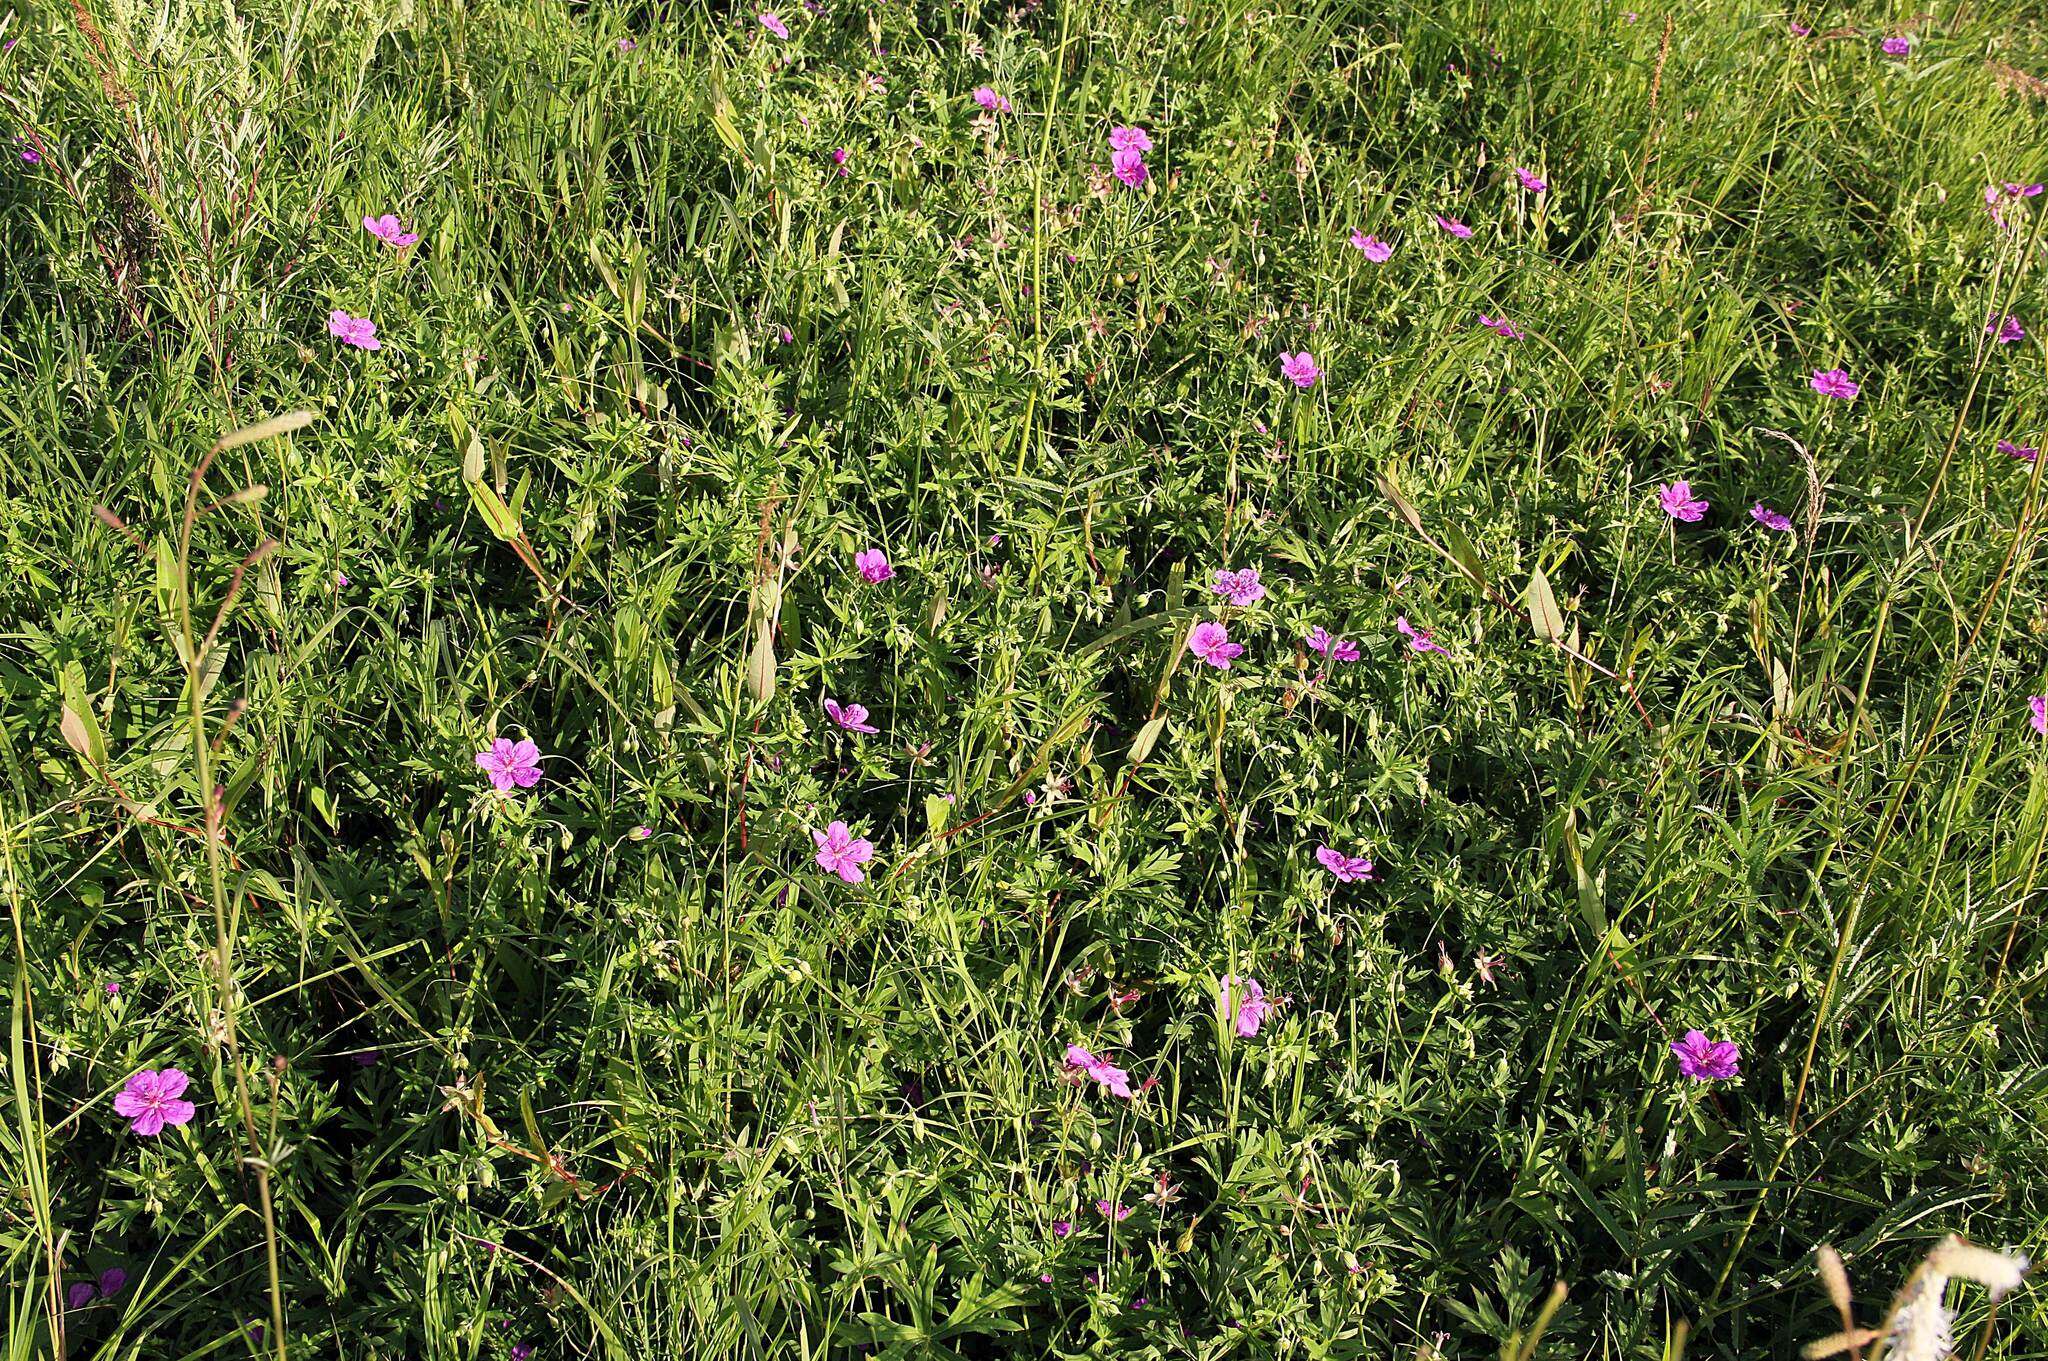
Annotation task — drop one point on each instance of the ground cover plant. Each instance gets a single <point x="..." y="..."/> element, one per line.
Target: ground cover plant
<point x="994" y="680"/>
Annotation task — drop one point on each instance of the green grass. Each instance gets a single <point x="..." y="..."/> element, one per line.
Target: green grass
<point x="690" y="1096"/>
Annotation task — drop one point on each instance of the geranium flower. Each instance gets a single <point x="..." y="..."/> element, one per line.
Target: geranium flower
<point x="1244" y="1004"/>
<point x="1129" y="139"/>
<point x="1240" y="587"/>
<point x="873" y="566"/>
<point x="1419" y="640"/>
<point x="1703" y="1060"/>
<point x="1500" y="326"/>
<point x="1372" y="247"/>
<point x="1530" y="180"/>
<point x="1347" y="869"/>
<point x="1111" y="1078"/>
<point x="990" y="100"/>
<point x="852" y="717"/>
<point x="389" y="230"/>
<point x="1129" y="166"/>
<point x="360" y="332"/>
<point x="840" y="852"/>
<point x="510" y="763"/>
<point x="1836" y="383"/>
<point x="1210" y="641"/>
<point x="1770" y="519"/>
<point x="773" y="23"/>
<point x="151" y="1101"/>
<point x="1679" y="503"/>
<point x="1299" y="369"/>
<point x="1453" y="226"/>
<point x="1336" y="649"/>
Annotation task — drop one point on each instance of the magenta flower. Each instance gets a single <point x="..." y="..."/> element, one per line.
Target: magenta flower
<point x="1243" y="1001"/>
<point x="1129" y="166"/>
<point x="2006" y="329"/>
<point x="510" y="763"/>
<point x="2026" y="453"/>
<point x="1299" y="369"/>
<point x="852" y="717"/>
<point x="360" y="332"/>
<point x="1112" y="1078"/>
<point x="1109" y="1211"/>
<point x="1896" y="47"/>
<point x="873" y="566"/>
<point x="2038" y="704"/>
<point x="79" y="1295"/>
<point x="1419" y="640"/>
<point x="990" y="100"/>
<point x="840" y="852"/>
<point x="1372" y="247"/>
<point x="1836" y="383"/>
<point x="1500" y="326"/>
<point x="1129" y="139"/>
<point x="1679" y="503"/>
<point x="1703" y="1060"/>
<point x="1211" y="642"/>
<point x="1062" y="1227"/>
<point x="1530" y="180"/>
<point x="1770" y="519"/>
<point x="151" y="1101"/>
<point x="111" y="1281"/>
<point x="390" y="231"/>
<point x="839" y="155"/>
<point x="1241" y="587"/>
<point x="1346" y="869"/>
<point x="1799" y="30"/>
<point x="641" y="832"/>
<point x="1453" y="226"/>
<point x="520" y="1351"/>
<point x="1336" y="649"/>
<point x="31" y="156"/>
<point x="774" y="24"/>
<point x="627" y="44"/>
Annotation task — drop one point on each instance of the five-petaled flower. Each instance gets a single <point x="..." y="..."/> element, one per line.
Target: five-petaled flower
<point x="1679" y="503"/>
<point x="390" y="230"/>
<point x="1500" y="326"/>
<point x="1372" y="247"/>
<point x="151" y="1100"/>
<point x="1835" y="383"/>
<point x="1531" y="181"/>
<point x="1770" y="519"/>
<point x="1210" y="641"/>
<point x="1241" y="587"/>
<point x="1336" y="649"/>
<point x="1111" y="1078"/>
<point x="1129" y="166"/>
<point x="2037" y="707"/>
<point x="1419" y="639"/>
<point x="840" y="852"/>
<point x="1347" y="869"/>
<point x="873" y="566"/>
<point x="1299" y="369"/>
<point x="360" y="332"/>
<point x="1243" y="1003"/>
<point x="2005" y="329"/>
<point x="990" y="100"/>
<point x="1703" y="1060"/>
<point x="510" y="763"/>
<point x="771" y="21"/>
<point x="852" y="717"/>
<point x="2026" y="453"/>
<point x="1453" y="226"/>
<point x="1129" y="139"/>
<point x="1896" y="47"/>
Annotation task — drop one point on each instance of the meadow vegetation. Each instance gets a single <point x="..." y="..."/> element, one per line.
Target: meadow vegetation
<point x="632" y="721"/>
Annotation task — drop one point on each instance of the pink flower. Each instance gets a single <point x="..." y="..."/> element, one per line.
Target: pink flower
<point x="2038" y="705"/>
<point x="1500" y="326"/>
<point x="873" y="566"/>
<point x="150" y="1101"/>
<point x="31" y="156"/>
<point x="1129" y="166"/>
<point x="1062" y="1227"/>
<point x="641" y="832"/>
<point x="774" y="24"/>
<point x="1799" y="30"/>
<point x="111" y="1281"/>
<point x="389" y="230"/>
<point x="2026" y="453"/>
<point x="1373" y="248"/>
<point x="1530" y="180"/>
<point x="839" y="155"/>
<point x="1453" y="226"/>
<point x="1836" y="383"/>
<point x="360" y="332"/>
<point x="1346" y="869"/>
<point x="1679" y="503"/>
<point x="1244" y="1001"/>
<point x="1336" y="649"/>
<point x="842" y="853"/>
<point x="510" y="763"/>
<point x="79" y="1295"/>
<point x="1419" y="640"/>
<point x="1299" y="369"/>
<point x="1211" y="642"/>
<point x="1108" y="1211"/>
<point x="990" y="100"/>
<point x="1770" y="519"/>
<point x="1702" y="1059"/>
<point x="1129" y="139"/>
<point x="1114" y="1079"/>
<point x="627" y="44"/>
<point x="1240" y="587"/>
<point x="1896" y="47"/>
<point x="851" y="717"/>
<point x="2007" y="329"/>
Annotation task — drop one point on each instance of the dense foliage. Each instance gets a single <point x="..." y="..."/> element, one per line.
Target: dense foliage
<point x="608" y="1064"/>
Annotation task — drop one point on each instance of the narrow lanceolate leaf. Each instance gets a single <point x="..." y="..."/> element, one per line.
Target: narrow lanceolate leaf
<point x="1544" y="616"/>
<point x="1148" y="737"/>
<point x="1402" y="506"/>
<point x="262" y="430"/>
<point x="1464" y="555"/>
<point x="761" y="661"/>
<point x="497" y="515"/>
<point x="75" y="735"/>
